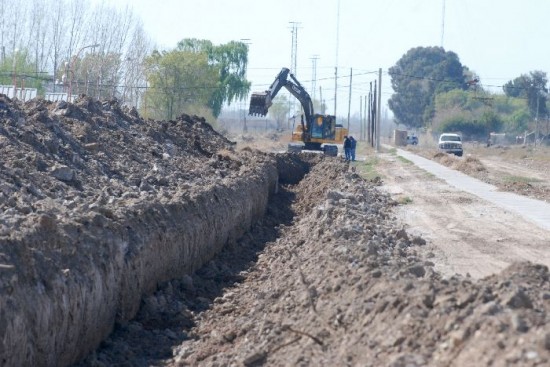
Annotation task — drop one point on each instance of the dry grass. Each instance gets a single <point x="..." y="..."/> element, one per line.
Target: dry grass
<point x="512" y="152"/>
<point x="469" y="165"/>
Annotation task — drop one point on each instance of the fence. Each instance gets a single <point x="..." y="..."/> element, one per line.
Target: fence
<point x="55" y="97"/>
<point x="24" y="94"/>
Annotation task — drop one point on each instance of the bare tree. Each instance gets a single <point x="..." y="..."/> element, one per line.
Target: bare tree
<point x="77" y="12"/>
<point x="16" y="24"/>
<point x="110" y="29"/>
<point x="57" y="40"/>
<point x="11" y="19"/>
<point x="38" y="35"/>
<point x="56" y="37"/>
<point x="3" y="27"/>
<point x="134" y="82"/>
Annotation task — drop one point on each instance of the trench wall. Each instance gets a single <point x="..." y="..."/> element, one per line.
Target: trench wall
<point x="72" y="282"/>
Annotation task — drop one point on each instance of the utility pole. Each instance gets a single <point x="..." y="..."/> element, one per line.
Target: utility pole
<point x="364" y="122"/>
<point x="349" y="97"/>
<point x="293" y="61"/>
<point x="378" y="115"/>
<point x="335" y="88"/>
<point x="360" y="117"/>
<point x="14" y="71"/>
<point x="321" y="97"/>
<point x="369" y="115"/>
<point x="314" y="59"/>
<point x="374" y="114"/>
<point x="336" y="61"/>
<point x="294" y="48"/>
<point x="537" y="118"/>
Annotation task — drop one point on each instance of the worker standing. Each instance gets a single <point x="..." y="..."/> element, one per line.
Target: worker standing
<point x="353" y="145"/>
<point x="347" y="148"/>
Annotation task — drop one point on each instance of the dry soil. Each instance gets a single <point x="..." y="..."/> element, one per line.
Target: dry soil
<point x="337" y="269"/>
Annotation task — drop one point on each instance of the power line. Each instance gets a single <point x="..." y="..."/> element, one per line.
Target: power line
<point x="451" y="80"/>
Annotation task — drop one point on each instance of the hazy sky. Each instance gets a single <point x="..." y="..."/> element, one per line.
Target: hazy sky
<point x="497" y="39"/>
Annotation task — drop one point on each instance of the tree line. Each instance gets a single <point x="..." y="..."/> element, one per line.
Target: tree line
<point x="72" y="47"/>
<point x="434" y="90"/>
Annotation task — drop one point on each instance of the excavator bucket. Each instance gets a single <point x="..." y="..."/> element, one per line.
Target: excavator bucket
<point x="259" y="104"/>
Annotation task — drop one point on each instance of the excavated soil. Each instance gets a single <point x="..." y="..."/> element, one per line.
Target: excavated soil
<point x="99" y="206"/>
<point x="328" y="278"/>
<point x="144" y="243"/>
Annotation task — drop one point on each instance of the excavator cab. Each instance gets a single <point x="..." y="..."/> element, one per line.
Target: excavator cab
<point x="259" y="104"/>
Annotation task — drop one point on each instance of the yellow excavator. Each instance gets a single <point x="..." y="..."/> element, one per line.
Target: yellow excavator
<point x="315" y="132"/>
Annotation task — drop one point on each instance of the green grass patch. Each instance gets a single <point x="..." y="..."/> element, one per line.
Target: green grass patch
<point x="521" y="179"/>
<point x="367" y="169"/>
<point x="404" y="200"/>
<point x="404" y="160"/>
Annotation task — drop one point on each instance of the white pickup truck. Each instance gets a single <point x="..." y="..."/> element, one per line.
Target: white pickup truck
<point x="451" y="143"/>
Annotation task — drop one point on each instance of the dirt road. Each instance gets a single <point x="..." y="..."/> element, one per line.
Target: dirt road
<point x="465" y="235"/>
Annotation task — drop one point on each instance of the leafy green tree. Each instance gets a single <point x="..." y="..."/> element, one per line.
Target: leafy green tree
<point x="456" y="98"/>
<point x="531" y="87"/>
<point x="463" y="123"/>
<point x="518" y="121"/>
<point x="17" y="66"/>
<point x="417" y="77"/>
<point x="231" y="59"/>
<point x="178" y="81"/>
<point x="478" y="114"/>
<point x="492" y="121"/>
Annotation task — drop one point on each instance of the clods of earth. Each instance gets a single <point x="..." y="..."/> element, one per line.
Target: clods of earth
<point x="325" y="276"/>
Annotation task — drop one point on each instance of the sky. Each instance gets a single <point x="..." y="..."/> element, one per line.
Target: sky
<point x="497" y="39"/>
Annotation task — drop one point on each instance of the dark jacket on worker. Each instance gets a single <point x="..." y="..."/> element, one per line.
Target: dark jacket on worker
<point x="352" y="142"/>
<point x="347" y="143"/>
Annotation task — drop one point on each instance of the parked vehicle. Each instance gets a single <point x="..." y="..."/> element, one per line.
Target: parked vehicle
<point x="412" y="140"/>
<point x="451" y="143"/>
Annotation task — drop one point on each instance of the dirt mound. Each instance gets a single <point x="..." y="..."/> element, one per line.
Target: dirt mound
<point x="344" y="286"/>
<point x="97" y="151"/>
<point x="339" y="282"/>
<point x="468" y="165"/>
<point x="534" y="190"/>
<point x="98" y="206"/>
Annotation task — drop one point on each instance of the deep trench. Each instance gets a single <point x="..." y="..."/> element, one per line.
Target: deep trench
<point x="142" y="341"/>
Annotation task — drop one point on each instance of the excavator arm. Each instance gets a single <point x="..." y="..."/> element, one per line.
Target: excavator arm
<point x="316" y="132"/>
<point x="261" y="101"/>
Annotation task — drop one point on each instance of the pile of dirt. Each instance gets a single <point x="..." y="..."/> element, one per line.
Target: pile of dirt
<point x="533" y="190"/>
<point x="468" y="165"/>
<point x="329" y="278"/>
<point x="61" y="158"/>
<point x="98" y="205"/>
